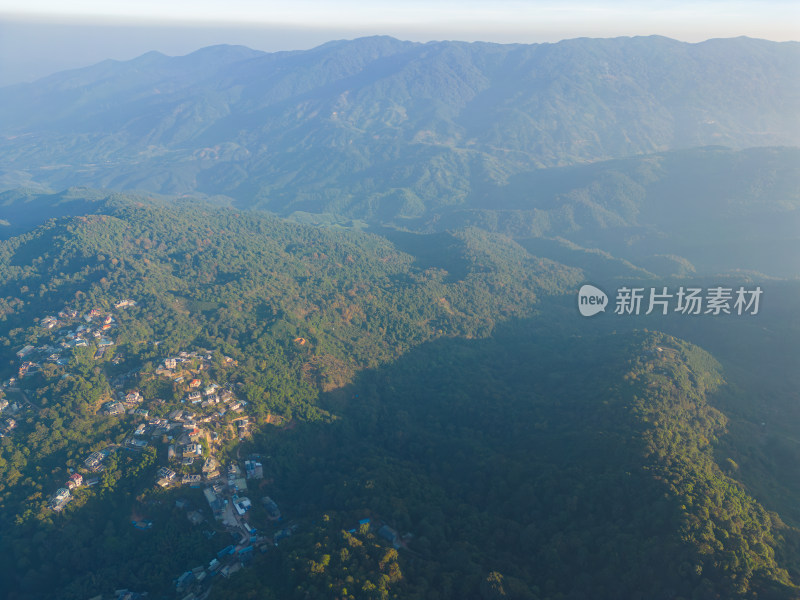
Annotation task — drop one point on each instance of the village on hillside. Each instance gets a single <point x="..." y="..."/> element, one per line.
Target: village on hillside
<point x="210" y="415"/>
<point x="188" y="436"/>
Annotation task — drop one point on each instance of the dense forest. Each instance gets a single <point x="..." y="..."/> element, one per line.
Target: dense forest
<point x="433" y="417"/>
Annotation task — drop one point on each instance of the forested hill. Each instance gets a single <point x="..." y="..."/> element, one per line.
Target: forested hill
<point x="210" y="271"/>
<point x="528" y="466"/>
<point x="377" y="125"/>
<point x="283" y="311"/>
<point x="445" y="394"/>
<point x="703" y="211"/>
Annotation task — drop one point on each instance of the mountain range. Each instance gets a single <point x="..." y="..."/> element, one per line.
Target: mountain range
<point x="381" y="126"/>
<point x="612" y="145"/>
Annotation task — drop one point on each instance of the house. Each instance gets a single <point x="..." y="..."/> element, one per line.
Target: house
<point x="229" y="570"/>
<point x="133" y="397"/>
<point x="242" y="505"/>
<point x="192" y="450"/>
<point x="112" y="409"/>
<point x="75" y="481"/>
<point x="27" y="368"/>
<point x="8" y="426"/>
<point x="191" y="479"/>
<point x="214" y="502"/>
<point x="195" y="383"/>
<point x="48" y="322"/>
<point x="140" y="429"/>
<point x="211" y="468"/>
<point x="164" y="477"/>
<point x="390" y="535"/>
<point x="253" y="469"/>
<point x="125" y="303"/>
<point x="25" y="351"/>
<point x="170" y="363"/>
<point x="184" y="580"/>
<point x="94" y="461"/>
<point x="166" y="473"/>
<point x="61" y="498"/>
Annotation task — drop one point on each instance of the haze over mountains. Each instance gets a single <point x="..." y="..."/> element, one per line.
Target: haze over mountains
<point x="446" y="134"/>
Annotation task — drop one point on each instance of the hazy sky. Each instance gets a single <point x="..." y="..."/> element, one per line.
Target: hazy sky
<point x="38" y="37"/>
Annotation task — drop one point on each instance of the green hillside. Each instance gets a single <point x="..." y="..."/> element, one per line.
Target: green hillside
<point x="439" y="385"/>
<point x="689" y="212"/>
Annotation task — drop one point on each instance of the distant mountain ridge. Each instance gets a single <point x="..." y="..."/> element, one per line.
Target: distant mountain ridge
<point x="702" y="211"/>
<point x="381" y="127"/>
